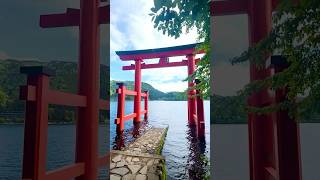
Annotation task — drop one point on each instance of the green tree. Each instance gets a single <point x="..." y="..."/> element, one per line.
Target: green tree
<point x="3" y="99"/>
<point x="173" y="17"/>
<point x="296" y="36"/>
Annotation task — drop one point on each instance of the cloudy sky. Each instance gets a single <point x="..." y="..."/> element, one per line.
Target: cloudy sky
<point x="130" y="29"/>
<point x="22" y="38"/>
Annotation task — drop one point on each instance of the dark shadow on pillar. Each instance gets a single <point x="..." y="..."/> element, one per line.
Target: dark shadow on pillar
<point x="198" y="164"/>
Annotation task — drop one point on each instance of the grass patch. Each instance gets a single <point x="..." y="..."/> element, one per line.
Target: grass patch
<point x="161" y="144"/>
<point x="164" y="170"/>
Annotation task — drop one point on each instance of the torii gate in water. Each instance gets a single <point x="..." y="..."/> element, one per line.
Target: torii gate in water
<point x="274" y="147"/>
<point x="195" y="104"/>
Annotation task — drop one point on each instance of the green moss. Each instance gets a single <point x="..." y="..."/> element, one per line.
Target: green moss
<point x="161" y="144"/>
<point x="164" y="170"/>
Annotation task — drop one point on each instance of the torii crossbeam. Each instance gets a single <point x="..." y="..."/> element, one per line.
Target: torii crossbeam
<point x="274" y="146"/>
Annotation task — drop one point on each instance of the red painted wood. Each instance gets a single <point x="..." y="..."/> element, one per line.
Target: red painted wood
<point x="131" y="93"/>
<point x="28" y="93"/>
<point x="158" y="65"/>
<point x="146" y="101"/>
<point x="71" y="18"/>
<point x="288" y="139"/>
<point x="200" y="116"/>
<point x="121" y="108"/>
<point x="130" y="116"/>
<point x="66" y="99"/>
<point x="228" y="7"/>
<point x="160" y="54"/>
<point x="137" y="88"/>
<point x="88" y="69"/>
<point x="35" y="133"/>
<point x="67" y="172"/>
<point x="191" y="92"/>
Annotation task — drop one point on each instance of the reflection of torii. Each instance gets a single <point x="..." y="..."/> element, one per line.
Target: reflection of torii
<point x="274" y="145"/>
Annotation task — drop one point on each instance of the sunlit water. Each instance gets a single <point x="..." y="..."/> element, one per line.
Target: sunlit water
<point x="184" y="153"/>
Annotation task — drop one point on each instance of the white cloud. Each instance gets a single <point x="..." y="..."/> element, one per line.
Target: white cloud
<point x="131" y="28"/>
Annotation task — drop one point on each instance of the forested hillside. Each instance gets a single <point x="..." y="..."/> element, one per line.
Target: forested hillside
<point x="224" y="109"/>
<point x="64" y="80"/>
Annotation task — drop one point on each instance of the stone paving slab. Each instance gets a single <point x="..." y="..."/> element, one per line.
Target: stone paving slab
<point x="140" y="160"/>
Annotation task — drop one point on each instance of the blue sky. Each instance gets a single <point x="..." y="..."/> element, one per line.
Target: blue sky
<point x="131" y="28"/>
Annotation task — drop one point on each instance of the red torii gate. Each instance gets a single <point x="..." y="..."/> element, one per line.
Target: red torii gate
<point x="273" y="139"/>
<point x="195" y="107"/>
<point x="38" y="96"/>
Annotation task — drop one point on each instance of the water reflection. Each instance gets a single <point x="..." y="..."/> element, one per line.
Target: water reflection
<point x="137" y="129"/>
<point x="198" y="164"/>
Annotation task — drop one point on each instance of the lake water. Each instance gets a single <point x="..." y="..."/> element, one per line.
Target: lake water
<point x="184" y="153"/>
<point x="230" y="153"/>
<point x="182" y="150"/>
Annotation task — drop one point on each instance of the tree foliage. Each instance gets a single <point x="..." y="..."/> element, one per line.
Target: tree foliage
<point x="173" y="17"/>
<point x="295" y="35"/>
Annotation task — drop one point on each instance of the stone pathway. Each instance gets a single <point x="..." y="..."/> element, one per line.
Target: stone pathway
<point x="140" y="160"/>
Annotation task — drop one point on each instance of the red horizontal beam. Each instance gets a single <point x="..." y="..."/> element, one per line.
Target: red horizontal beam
<point x="66" y="99"/>
<point x="161" y="54"/>
<point x="158" y="65"/>
<point x="130" y="116"/>
<point x="28" y="93"/>
<point x="130" y="93"/>
<point x="67" y="172"/>
<point x="143" y="94"/>
<point x="127" y="92"/>
<point x="144" y="111"/>
<point x="71" y="18"/>
<point x="229" y="7"/>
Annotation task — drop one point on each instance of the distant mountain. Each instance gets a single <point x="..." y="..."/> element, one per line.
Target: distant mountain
<point x="154" y="94"/>
<point x="65" y="80"/>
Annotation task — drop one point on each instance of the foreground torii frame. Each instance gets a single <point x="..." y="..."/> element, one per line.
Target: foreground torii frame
<point x="273" y="139"/>
<point x="195" y="109"/>
<point x="38" y="96"/>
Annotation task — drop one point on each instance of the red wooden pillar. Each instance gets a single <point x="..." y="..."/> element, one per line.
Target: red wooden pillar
<point x="88" y="82"/>
<point x="263" y="164"/>
<point x="137" y="88"/>
<point x="146" y="99"/>
<point x="288" y="133"/>
<point x="191" y="93"/>
<point x="200" y="114"/>
<point x="36" y="124"/>
<point x="121" y="108"/>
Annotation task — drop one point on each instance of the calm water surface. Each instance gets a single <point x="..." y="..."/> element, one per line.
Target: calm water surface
<point x="184" y="153"/>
